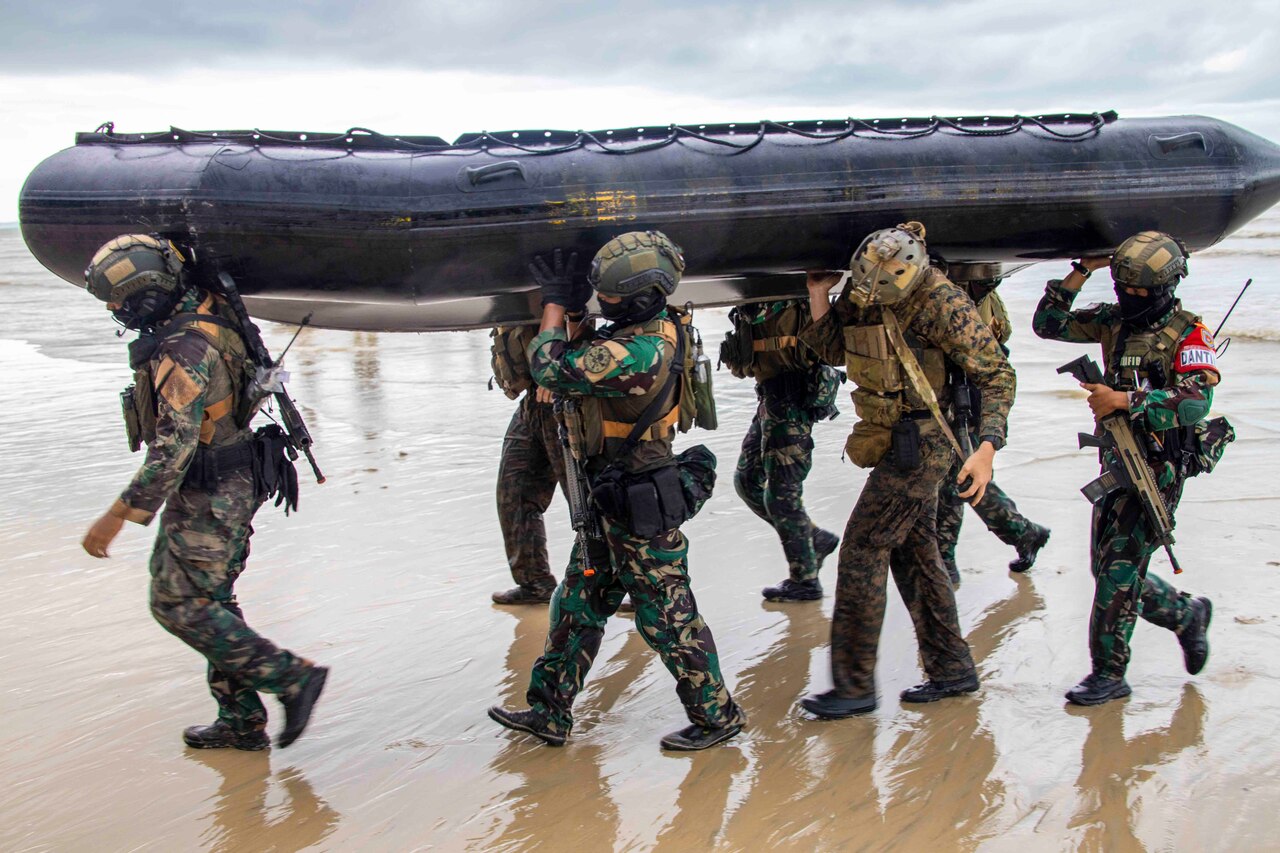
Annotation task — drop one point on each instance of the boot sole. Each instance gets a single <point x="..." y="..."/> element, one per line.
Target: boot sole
<point x="838" y="715"/>
<point x="257" y="747"/>
<point x="917" y="699"/>
<point x="1102" y="700"/>
<point x="722" y="735"/>
<point x="546" y="737"/>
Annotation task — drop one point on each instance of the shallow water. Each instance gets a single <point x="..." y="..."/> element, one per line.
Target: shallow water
<point x="385" y="576"/>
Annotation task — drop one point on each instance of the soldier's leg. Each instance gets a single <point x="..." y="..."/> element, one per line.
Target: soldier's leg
<point x="579" y="610"/>
<point x="655" y="572"/>
<point x="950" y="518"/>
<point x="1000" y="514"/>
<point x="1120" y="548"/>
<point x="749" y="476"/>
<point x="788" y="458"/>
<point x="526" y="485"/>
<point x="199" y="551"/>
<point x="238" y="704"/>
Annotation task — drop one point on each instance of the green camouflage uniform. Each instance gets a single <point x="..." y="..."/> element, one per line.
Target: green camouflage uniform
<point x="1122" y="540"/>
<point x="530" y="467"/>
<point x="996" y="509"/>
<point x="894" y="523"/>
<point x="777" y="451"/>
<point x="632" y="368"/>
<point x="203" y="540"/>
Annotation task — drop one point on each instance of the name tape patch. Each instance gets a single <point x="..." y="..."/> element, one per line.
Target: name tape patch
<point x="1197" y="358"/>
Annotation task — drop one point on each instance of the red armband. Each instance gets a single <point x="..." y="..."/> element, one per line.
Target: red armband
<point x="1195" y="352"/>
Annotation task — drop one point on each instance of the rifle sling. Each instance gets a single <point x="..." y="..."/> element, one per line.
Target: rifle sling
<point x="915" y="374"/>
<point x="654" y="410"/>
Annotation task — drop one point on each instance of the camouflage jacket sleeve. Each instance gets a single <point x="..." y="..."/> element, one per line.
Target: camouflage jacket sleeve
<point x="182" y="371"/>
<point x="950" y="321"/>
<point x="1055" y="321"/>
<point x="602" y="368"/>
<point x="1188" y="400"/>
<point x="826" y="337"/>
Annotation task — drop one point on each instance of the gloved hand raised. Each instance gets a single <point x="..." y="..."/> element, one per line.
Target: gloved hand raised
<point x="557" y="282"/>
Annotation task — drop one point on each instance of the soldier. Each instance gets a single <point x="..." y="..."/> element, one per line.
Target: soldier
<point x="622" y="378"/>
<point x="1161" y="368"/>
<point x="191" y="407"/>
<point x="895" y="325"/>
<point x="530" y="467"/>
<point x="794" y="390"/>
<point x="996" y="509"/>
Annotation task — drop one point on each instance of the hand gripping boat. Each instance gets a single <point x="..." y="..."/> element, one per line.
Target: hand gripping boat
<point x="410" y="233"/>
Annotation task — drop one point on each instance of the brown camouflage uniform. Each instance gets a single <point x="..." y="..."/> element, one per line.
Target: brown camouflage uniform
<point x="204" y="536"/>
<point x="893" y="524"/>
<point x="530" y="467"/>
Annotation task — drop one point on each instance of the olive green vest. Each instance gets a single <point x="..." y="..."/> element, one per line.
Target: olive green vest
<point x="1130" y="360"/>
<point x="775" y="343"/>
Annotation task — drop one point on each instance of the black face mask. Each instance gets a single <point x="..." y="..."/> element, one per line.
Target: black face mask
<point x="1139" y="312"/>
<point x="143" y="310"/>
<point x="636" y="308"/>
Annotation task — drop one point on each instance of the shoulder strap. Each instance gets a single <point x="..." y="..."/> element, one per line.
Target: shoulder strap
<point x="655" y="408"/>
<point x="917" y="378"/>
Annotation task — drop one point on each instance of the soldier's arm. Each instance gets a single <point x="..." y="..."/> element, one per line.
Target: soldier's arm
<point x="824" y="336"/>
<point x="603" y="369"/>
<point x="182" y="377"/>
<point x="951" y="322"/>
<point x="1189" y="399"/>
<point x="1054" y="320"/>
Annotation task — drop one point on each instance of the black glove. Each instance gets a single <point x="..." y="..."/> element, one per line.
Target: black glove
<point x="556" y="281"/>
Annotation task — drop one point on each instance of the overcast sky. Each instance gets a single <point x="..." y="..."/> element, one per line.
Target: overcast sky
<point x="444" y="67"/>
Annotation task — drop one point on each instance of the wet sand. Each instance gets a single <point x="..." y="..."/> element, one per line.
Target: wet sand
<point x="385" y="576"/>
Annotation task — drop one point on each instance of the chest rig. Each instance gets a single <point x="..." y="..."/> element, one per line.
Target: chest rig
<point x="768" y="347"/>
<point x="1144" y="360"/>
<point x="885" y="393"/>
<point x="508" y="361"/>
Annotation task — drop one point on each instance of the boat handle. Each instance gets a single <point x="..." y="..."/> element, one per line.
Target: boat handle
<point x="479" y="174"/>
<point x="1183" y="142"/>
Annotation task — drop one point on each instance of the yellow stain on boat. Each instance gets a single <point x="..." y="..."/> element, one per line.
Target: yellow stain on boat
<point x="603" y="206"/>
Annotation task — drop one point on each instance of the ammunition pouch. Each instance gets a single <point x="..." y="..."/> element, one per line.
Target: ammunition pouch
<point x="904" y="450"/>
<point x="736" y="351"/>
<point x="697" y="476"/>
<point x="1208" y="441"/>
<point x="265" y="456"/>
<point x="645" y="504"/>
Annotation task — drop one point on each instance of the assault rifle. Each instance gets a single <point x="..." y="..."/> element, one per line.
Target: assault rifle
<point x="592" y="549"/>
<point x="1131" y="471"/>
<point x="269" y="378"/>
<point x="962" y="398"/>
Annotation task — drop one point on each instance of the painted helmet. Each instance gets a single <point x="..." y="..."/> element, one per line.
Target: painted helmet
<point x="636" y="261"/>
<point x="140" y="273"/>
<point x="888" y="265"/>
<point x="1150" y="259"/>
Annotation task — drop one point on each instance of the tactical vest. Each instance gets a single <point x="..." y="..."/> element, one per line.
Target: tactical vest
<point x="884" y="393"/>
<point x="607" y="421"/>
<point x="774" y="343"/>
<point x="508" y="359"/>
<point x="1133" y="359"/>
<point x="146" y="354"/>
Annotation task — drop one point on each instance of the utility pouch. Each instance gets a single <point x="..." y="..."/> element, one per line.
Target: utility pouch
<point x="697" y="467"/>
<point x="610" y="495"/>
<point x="132" y="428"/>
<point x="905" y="445"/>
<point x="645" y="504"/>
<point x="736" y="350"/>
<point x="1209" y="441"/>
<point x="868" y="444"/>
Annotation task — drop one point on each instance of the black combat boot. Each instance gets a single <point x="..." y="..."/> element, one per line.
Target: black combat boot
<point x="297" y="708"/>
<point x="824" y="543"/>
<point x="1095" y="690"/>
<point x="220" y="735"/>
<point x="789" y="590"/>
<point x="526" y="721"/>
<point x="1029" y="548"/>
<point x="932" y="691"/>
<point x="832" y="706"/>
<point x="536" y="594"/>
<point x="1194" y="638"/>
<point x="696" y="737"/>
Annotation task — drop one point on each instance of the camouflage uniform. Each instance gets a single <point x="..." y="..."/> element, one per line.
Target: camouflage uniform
<point x="777" y="451"/>
<point x="996" y="509"/>
<point x="1122" y="541"/>
<point x="893" y="524"/>
<point x="530" y="467"/>
<point x="203" y="540"/>
<point x="624" y="369"/>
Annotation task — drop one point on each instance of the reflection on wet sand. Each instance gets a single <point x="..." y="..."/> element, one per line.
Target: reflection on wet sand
<point x="1112" y="767"/>
<point x="241" y="818"/>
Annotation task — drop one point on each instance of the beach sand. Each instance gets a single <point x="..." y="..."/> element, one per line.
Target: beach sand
<point x="385" y="576"/>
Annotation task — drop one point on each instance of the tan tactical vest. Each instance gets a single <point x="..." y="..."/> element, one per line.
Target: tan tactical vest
<point x="508" y="360"/>
<point x="1147" y="356"/>
<point x="607" y="421"/>
<point x="229" y="414"/>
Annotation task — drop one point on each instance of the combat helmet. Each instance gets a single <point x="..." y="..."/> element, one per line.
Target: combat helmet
<point x="139" y="273"/>
<point x="1149" y="259"/>
<point x="636" y="261"/>
<point x="888" y="265"/>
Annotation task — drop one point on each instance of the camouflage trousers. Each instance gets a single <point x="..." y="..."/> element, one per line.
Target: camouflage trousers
<point x="199" y="552"/>
<point x="655" y="573"/>
<point x="776" y="456"/>
<point x="996" y="509"/>
<point x="893" y="528"/>
<point x="528" y="470"/>
<point x="1122" y="543"/>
